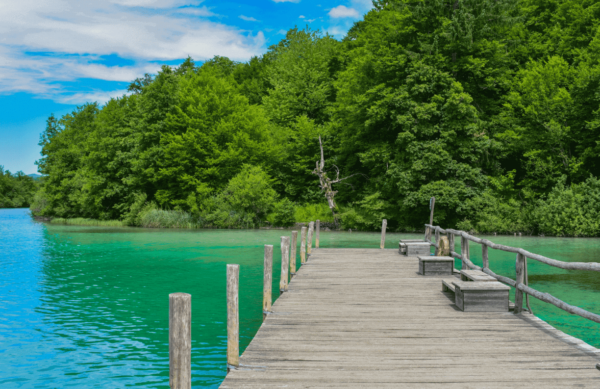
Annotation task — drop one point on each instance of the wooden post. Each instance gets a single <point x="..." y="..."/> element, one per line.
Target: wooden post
<point x="431" y="206"/>
<point x="293" y="253"/>
<point x="318" y="232"/>
<point x="311" y="230"/>
<point x="285" y="262"/>
<point x="233" y="316"/>
<point x="484" y="255"/>
<point x="303" y="245"/>
<point x="520" y="270"/>
<point x="180" y="341"/>
<point x="427" y="234"/>
<point x="464" y="251"/>
<point x="437" y="240"/>
<point x="383" y="228"/>
<point x="451" y="243"/>
<point x="267" y="280"/>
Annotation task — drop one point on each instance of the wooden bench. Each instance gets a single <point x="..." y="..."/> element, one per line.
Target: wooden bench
<point x="481" y="296"/>
<point x="402" y="247"/>
<point x="448" y="285"/>
<point x="475" y="275"/>
<point x="412" y="249"/>
<point x="435" y="266"/>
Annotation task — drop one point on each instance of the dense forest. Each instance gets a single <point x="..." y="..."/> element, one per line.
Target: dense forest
<point x="16" y="190"/>
<point x="491" y="106"/>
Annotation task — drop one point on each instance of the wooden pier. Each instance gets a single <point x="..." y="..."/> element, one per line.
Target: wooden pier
<point x="365" y="318"/>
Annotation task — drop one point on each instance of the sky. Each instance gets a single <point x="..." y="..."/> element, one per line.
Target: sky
<point x="58" y="54"/>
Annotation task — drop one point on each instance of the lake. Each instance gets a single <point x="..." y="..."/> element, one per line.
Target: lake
<point x="88" y="306"/>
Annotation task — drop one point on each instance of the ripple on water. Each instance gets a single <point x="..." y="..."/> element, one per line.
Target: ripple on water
<point x="87" y="306"/>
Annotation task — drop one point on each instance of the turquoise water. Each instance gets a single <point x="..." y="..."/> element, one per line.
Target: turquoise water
<point x="87" y="307"/>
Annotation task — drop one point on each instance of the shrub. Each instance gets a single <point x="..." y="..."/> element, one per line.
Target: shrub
<point x="311" y="212"/>
<point x="283" y="214"/>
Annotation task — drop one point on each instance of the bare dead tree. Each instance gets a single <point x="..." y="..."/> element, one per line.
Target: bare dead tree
<point x="327" y="183"/>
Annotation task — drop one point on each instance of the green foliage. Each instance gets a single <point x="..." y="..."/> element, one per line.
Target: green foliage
<point x="491" y="106"/>
<point x="312" y="212"/>
<point x="570" y="211"/>
<point x="79" y="221"/>
<point x="16" y="190"/>
<point x="283" y="214"/>
<point x="160" y="218"/>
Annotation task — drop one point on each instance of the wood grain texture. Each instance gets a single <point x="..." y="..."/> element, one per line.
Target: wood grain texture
<point x="383" y="228"/>
<point x="267" y="280"/>
<point x="309" y="237"/>
<point x="285" y="263"/>
<point x="317" y="233"/>
<point x="180" y="340"/>
<point x="485" y="257"/>
<point x="303" y="245"/>
<point x="233" y="315"/>
<point x="294" y="243"/>
<point x="358" y="318"/>
<point x="593" y="266"/>
<point x="520" y="279"/>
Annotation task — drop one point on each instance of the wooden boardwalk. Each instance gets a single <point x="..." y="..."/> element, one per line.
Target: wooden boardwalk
<point x="360" y="318"/>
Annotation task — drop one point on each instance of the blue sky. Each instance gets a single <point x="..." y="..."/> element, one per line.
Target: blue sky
<point x="57" y="54"/>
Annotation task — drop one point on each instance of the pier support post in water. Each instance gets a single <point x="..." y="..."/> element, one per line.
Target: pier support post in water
<point x="383" y="228"/>
<point x="233" y="317"/>
<point x="311" y="230"/>
<point x="180" y="341"/>
<point x="285" y="261"/>
<point x="303" y="245"/>
<point x="293" y="253"/>
<point x="267" y="280"/>
<point x="520" y="278"/>
<point x="317" y="233"/>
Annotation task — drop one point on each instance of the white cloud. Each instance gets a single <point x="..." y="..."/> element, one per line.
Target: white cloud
<point x="343" y="12"/>
<point x="282" y="32"/>
<point x="154" y="3"/>
<point x="310" y="20"/>
<point x="196" y="11"/>
<point x="101" y="97"/>
<point x="77" y="33"/>
<point x="301" y="16"/>
<point x="248" y="18"/>
<point x="286" y="1"/>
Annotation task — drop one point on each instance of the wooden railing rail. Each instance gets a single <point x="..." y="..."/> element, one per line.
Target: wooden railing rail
<point x="521" y="284"/>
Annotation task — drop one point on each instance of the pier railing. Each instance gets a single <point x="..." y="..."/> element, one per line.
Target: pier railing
<point x="521" y="283"/>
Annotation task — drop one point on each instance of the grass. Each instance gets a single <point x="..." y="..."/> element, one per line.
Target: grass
<point x="160" y="218"/>
<point x="80" y="221"/>
<point x="310" y="212"/>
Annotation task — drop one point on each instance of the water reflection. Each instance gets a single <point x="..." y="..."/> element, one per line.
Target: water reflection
<point x="88" y="307"/>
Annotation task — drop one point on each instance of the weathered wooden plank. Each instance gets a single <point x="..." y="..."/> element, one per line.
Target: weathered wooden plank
<point x="357" y="318"/>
